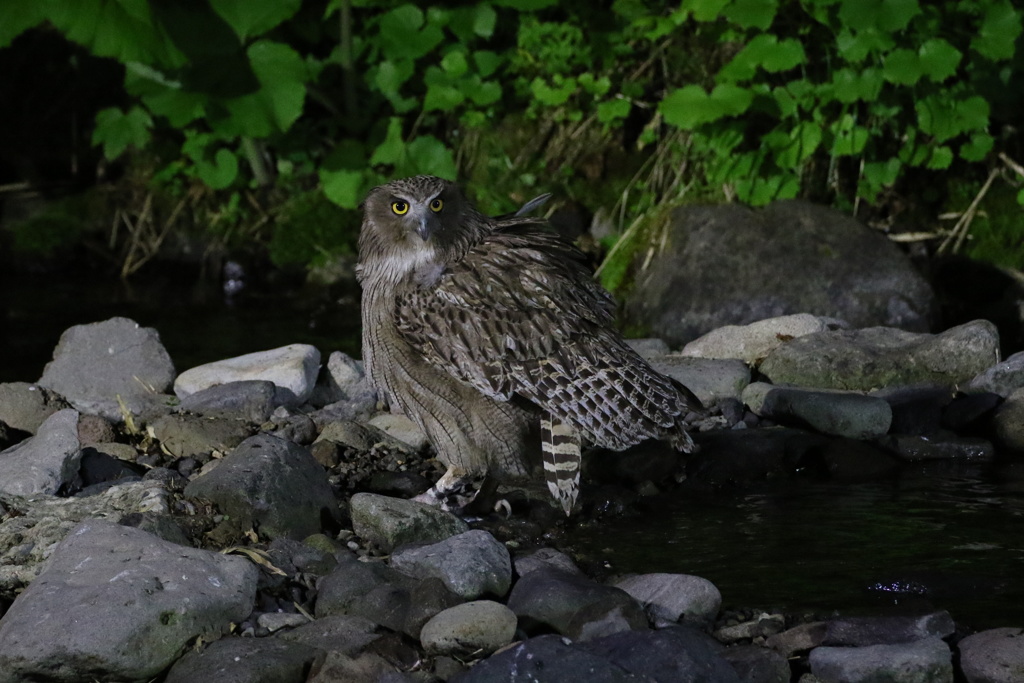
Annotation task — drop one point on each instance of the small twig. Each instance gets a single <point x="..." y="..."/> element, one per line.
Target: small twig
<point x="959" y="232"/>
<point x="1014" y="166"/>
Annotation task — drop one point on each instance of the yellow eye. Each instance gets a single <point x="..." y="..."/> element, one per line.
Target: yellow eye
<point x="436" y="205"/>
<point x="400" y="208"/>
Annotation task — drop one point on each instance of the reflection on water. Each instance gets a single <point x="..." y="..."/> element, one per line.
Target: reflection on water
<point x="929" y="539"/>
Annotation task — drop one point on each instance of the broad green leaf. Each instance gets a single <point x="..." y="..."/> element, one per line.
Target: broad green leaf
<point x="220" y="172"/>
<point x="389" y="151"/>
<point x="731" y="100"/>
<point x="800" y="144"/>
<point x="902" y="67"/>
<point x="427" y="154"/>
<point x="939" y="59"/>
<point x="1020" y="197"/>
<point x="851" y="85"/>
<point x="973" y="112"/>
<point x="887" y="15"/>
<point x="391" y="75"/>
<point x="977" y="148"/>
<point x="594" y="86"/>
<point x="765" y="52"/>
<point x="525" y="5"/>
<point x="881" y="174"/>
<point x="442" y="97"/>
<point x="613" y="109"/>
<point x="255" y="17"/>
<point x="856" y="46"/>
<point x="404" y="35"/>
<point x="455" y="63"/>
<point x="485" y="93"/>
<point x="848" y="138"/>
<point x="17" y="17"/>
<point x="704" y="10"/>
<point x="757" y="14"/>
<point x="686" y="107"/>
<point x="344" y="187"/>
<point x="282" y="74"/>
<point x="936" y="117"/>
<point x="941" y="158"/>
<point x="122" y="29"/>
<point x="555" y="95"/>
<point x="487" y="62"/>
<point x="999" y="30"/>
<point x="117" y="130"/>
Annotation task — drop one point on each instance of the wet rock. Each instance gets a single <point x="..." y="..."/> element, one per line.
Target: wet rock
<point x="391" y="522"/>
<point x="28" y="537"/>
<point x="800" y="638"/>
<point x="116" y="602"/>
<point x="1009" y="422"/>
<point x="470" y="564"/>
<point x="916" y="409"/>
<point x="342" y="633"/>
<point x="670" y="598"/>
<point x="272" y="485"/>
<point x="482" y="625"/>
<point x="649" y="347"/>
<point x="847" y="414"/>
<point x="993" y="656"/>
<point x="342" y="380"/>
<point x="252" y="400"/>
<point x="293" y="369"/>
<point x="25" y="406"/>
<point x="648" y="461"/>
<point x="1002" y="378"/>
<point x="95" y="364"/>
<point x="859" y="631"/>
<point x="965" y="411"/>
<point x="730" y="264"/>
<point x="94" y="429"/>
<point x="752" y="343"/>
<point x="751" y="455"/>
<point x="919" y="661"/>
<point x="545" y="558"/>
<point x="367" y="667"/>
<point x="187" y="436"/>
<point x="45" y="462"/>
<point x="755" y="664"/>
<point x="866" y="359"/>
<point x="849" y="461"/>
<point x="402" y="428"/>
<point x="939" y="447"/>
<point x="245" y="660"/>
<point x="760" y="627"/>
<point x="358" y="436"/>
<point x="99" y="468"/>
<point x="551" y="599"/>
<point x="711" y="380"/>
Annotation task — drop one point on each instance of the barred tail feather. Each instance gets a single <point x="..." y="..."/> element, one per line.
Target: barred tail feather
<point x="560" y="448"/>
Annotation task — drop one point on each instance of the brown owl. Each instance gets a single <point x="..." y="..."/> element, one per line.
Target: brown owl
<point x="482" y="330"/>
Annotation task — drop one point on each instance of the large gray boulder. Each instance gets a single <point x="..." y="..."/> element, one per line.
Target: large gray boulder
<point x="732" y="265"/>
<point x="44" y="462"/>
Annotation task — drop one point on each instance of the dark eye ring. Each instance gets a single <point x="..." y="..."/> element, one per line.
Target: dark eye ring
<point x="436" y="205"/>
<point x="400" y="208"/>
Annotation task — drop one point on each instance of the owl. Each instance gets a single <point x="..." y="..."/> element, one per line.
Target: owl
<point x="487" y="332"/>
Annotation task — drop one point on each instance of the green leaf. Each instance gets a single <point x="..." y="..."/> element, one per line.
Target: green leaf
<point x="799" y="145"/>
<point x="484" y="20"/>
<point x="404" y="35"/>
<point x="555" y="95"/>
<point x="487" y="62"/>
<point x="848" y="138"/>
<point x="766" y="52"/>
<point x="977" y="148"/>
<point x="426" y="154"/>
<point x="251" y="18"/>
<point x="939" y="59"/>
<point x="613" y="110"/>
<point x="686" y="107"/>
<point x="973" y="112"/>
<point x="704" y="10"/>
<point x="344" y="187"/>
<point x="879" y="174"/>
<point x="17" y="17"/>
<point x="757" y="14"/>
<point x="442" y="97"/>
<point x="855" y="47"/>
<point x="999" y="30"/>
<point x="455" y="63"/>
<point x="220" y="172"/>
<point x="282" y="74"/>
<point x="851" y="85"/>
<point x="941" y="158"/>
<point x="731" y="100"/>
<point x="122" y="29"/>
<point x="1020" y="197"/>
<point x="889" y="16"/>
<point x="389" y="151"/>
<point x="485" y="93"/>
<point x="902" y="67"/>
<point x="391" y="75"/>
<point x="525" y="5"/>
<point x="117" y="130"/>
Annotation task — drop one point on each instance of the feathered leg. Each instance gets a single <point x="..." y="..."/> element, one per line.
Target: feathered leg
<point x="453" y="491"/>
<point x="560" y="448"/>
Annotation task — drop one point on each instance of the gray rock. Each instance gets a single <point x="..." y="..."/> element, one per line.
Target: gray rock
<point x="670" y="598"/>
<point x="1002" y="378"/>
<point x="848" y="414"/>
<point x="482" y="625"/>
<point x="95" y="364"/>
<point x="359" y="436"/>
<point x="343" y="633"/>
<point x="402" y="428"/>
<point x="710" y="379"/>
<point x="470" y="564"/>
<point x="993" y="656"/>
<point x="44" y="462"/>
<point x="28" y="538"/>
<point x="755" y="664"/>
<point x="25" y="406"/>
<point x="545" y="558"/>
<point x="391" y="522"/>
<point x="859" y="631"/>
<point x="1009" y="422"/>
<point x="762" y="626"/>
<point x="116" y="602"/>
<point x="366" y="667"/>
<point x="920" y="661"/>
<point x="186" y="436"/>
<point x="943" y="446"/>
<point x="732" y="265"/>
<point x="293" y="370"/>
<point x="93" y="429"/>
<point x="800" y="638"/>
<point x="245" y="660"/>
<point x="275" y="621"/>
<point x="649" y="347"/>
<point x="251" y="400"/>
<point x="752" y="343"/>
<point x="867" y="359"/>
<point x="342" y="380"/>
<point x="271" y="485"/>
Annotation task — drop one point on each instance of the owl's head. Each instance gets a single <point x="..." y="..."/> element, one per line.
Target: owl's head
<point x="413" y="223"/>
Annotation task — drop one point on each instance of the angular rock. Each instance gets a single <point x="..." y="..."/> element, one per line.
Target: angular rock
<point x="45" y="462"/>
<point x="1009" y="422"/>
<point x="359" y="436"/>
<point x="710" y="379"/>
<point x="755" y="664"/>
<point x="752" y="343"/>
<point x="993" y="656"/>
<point x="546" y="558"/>
<point x="275" y="621"/>
<point x="860" y="631"/>
<point x="402" y="428"/>
<point x="848" y="414"/>
<point x="187" y="436"/>
<point x="25" y="406"/>
<point x="1002" y="378"/>
<point x="470" y="564"/>
<point x="343" y="633"/>
<point x="118" y="603"/>
<point x="649" y="347"/>
<point x="919" y="661"/>
<point x="391" y="522"/>
<point x="271" y="485"/>
<point x="866" y="359"/>
<point x="732" y="265"/>
<point x="798" y="639"/>
<point x="763" y="625"/>
<point x="293" y="370"/>
<point x="245" y="660"/>
<point x="670" y="598"/>
<point x="916" y="409"/>
<point x="252" y="400"/>
<point x="342" y="380"/>
<point x="94" y="429"/>
<point x="482" y="625"/>
<point x="95" y="364"/>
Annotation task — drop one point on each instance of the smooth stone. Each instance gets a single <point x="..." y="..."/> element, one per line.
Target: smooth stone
<point x="762" y="625"/>
<point x="252" y="400"/>
<point x="756" y="664"/>
<point x="25" y="406"/>
<point x="118" y="603"/>
<point x="245" y="660"/>
<point x="916" y="409"/>
<point x="545" y="558"/>
<point x="752" y="343"/>
<point x="993" y="656"/>
<point x="1003" y="378"/>
<point x="293" y="369"/>
<point x="391" y="522"/>
<point x="402" y="428"/>
<point x="43" y="463"/>
<point x="860" y="631"/>
<point x="649" y="347"/>
<point x="711" y="380"/>
<point x="920" y="661"/>
<point x="93" y="365"/>
<point x="800" y="638"/>
<point x="187" y="436"/>
<point x="847" y="414"/>
<point x="481" y="625"/>
<point x="343" y="633"/>
<point x="918" y="448"/>
<point x="1009" y="422"/>
<point x="866" y="359"/>
<point x="271" y="485"/>
<point x="670" y="598"/>
<point x="470" y="564"/>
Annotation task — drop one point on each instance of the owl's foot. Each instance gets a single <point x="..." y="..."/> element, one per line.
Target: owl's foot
<point x="453" y="491"/>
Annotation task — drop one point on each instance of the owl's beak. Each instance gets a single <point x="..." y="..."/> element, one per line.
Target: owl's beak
<point x="428" y="225"/>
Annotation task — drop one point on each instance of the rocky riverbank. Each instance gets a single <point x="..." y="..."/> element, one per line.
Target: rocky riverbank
<point x="253" y="524"/>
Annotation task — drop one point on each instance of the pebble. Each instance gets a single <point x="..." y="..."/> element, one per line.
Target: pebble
<point x="481" y="626"/>
<point x="670" y="598"/>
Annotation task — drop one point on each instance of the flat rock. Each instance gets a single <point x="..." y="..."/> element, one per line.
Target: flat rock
<point x="1002" y="378"/>
<point x="710" y="379"/>
<point x="918" y="448"/>
<point x="860" y="631"/>
<point x="118" y="603"/>
<point x="800" y="638"/>
<point x="186" y="436"/>
<point x="920" y="661"/>
<point x="25" y="406"/>
<point x="245" y="660"/>
<point x="402" y="428"/>
<point x="545" y="558"/>
<point x="481" y="625"/>
<point x="866" y="359"/>
<point x="670" y="598"/>
<point x="993" y="656"/>
<point x="252" y="400"/>
<point x="752" y="343"/>
<point x="762" y="625"/>
<point x="470" y="564"/>
<point x="343" y="633"/>
<point x="271" y="485"/>
<point x="839" y="413"/>
<point x="649" y="347"/>
<point x="45" y="462"/>
<point x="95" y="364"/>
<point x="1009" y="422"/>
<point x="391" y="522"/>
<point x="358" y="436"/>
<point x="293" y="370"/>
